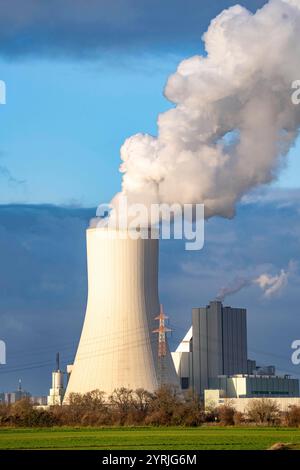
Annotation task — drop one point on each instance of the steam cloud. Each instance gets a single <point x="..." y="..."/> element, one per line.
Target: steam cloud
<point x="270" y="285"/>
<point x="233" y="121"/>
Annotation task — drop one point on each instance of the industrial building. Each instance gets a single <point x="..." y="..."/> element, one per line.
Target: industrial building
<point x="10" y="398"/>
<point x="117" y="347"/>
<point x="39" y="400"/>
<point x="215" y="345"/>
<point x="256" y="386"/>
<point x="212" y="359"/>
<point x="123" y="341"/>
<point x="214" y="398"/>
<point x="57" y="391"/>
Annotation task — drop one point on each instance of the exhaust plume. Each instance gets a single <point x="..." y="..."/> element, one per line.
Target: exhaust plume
<point x="270" y="285"/>
<point x="233" y="121"/>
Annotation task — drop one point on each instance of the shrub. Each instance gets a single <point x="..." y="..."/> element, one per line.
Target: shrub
<point x="211" y="413"/>
<point x="226" y="415"/>
<point x="292" y="417"/>
<point x="263" y="411"/>
<point x="4" y="414"/>
<point x="89" y="409"/>
<point x="22" y="413"/>
<point x="193" y="411"/>
<point x="238" y="418"/>
<point x="165" y="407"/>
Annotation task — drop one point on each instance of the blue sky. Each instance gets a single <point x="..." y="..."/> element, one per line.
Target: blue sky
<point x="64" y="123"/>
<point x="77" y="86"/>
<point x="80" y="82"/>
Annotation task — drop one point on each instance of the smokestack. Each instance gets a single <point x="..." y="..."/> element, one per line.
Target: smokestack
<point x="57" y="362"/>
<point x="117" y="347"/>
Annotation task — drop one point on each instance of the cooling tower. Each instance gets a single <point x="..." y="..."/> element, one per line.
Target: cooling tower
<point x="117" y="347"/>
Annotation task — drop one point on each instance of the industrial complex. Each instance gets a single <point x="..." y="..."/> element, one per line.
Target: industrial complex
<point x="124" y="343"/>
<point x="124" y="337"/>
<point x="212" y="360"/>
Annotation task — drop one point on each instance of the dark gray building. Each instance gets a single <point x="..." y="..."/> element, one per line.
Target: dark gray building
<point x="212" y="360"/>
<point x="219" y="343"/>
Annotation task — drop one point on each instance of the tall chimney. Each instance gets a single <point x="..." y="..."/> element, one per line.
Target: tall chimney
<point x="117" y="347"/>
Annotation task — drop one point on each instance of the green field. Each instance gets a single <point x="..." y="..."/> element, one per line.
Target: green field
<point x="148" y="438"/>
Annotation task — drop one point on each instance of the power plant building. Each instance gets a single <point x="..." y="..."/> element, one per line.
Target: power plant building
<point x="122" y="345"/>
<point x="215" y="345"/>
<point x="212" y="359"/>
<point x="57" y="391"/>
<point x="256" y="386"/>
<point x="241" y="390"/>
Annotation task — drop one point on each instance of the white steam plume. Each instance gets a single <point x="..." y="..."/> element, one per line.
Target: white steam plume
<point x="270" y="285"/>
<point x="233" y="288"/>
<point x="233" y="120"/>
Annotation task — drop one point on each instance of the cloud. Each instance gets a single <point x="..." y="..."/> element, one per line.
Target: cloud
<point x="43" y="289"/>
<point x="282" y="197"/>
<point x="81" y="29"/>
<point x="6" y="174"/>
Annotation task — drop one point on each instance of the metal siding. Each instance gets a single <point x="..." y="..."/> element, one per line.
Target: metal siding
<point x="227" y="341"/>
<point x="237" y="340"/>
<point x="196" y="348"/>
<point x="244" y="358"/>
<point x="203" y="350"/>
<point x="242" y="339"/>
<point x="215" y="356"/>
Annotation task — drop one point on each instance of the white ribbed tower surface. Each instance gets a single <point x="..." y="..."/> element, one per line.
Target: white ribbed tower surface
<point x="117" y="347"/>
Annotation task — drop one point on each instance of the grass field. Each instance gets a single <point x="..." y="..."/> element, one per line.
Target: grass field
<point x="206" y="438"/>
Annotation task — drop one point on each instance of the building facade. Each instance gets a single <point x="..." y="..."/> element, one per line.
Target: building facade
<point x="215" y="345"/>
<point x="212" y="359"/>
<point x="57" y="391"/>
<point x="216" y="398"/>
<point x="255" y="386"/>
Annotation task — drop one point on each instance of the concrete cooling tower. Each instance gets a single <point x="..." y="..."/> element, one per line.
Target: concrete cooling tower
<point x="117" y="347"/>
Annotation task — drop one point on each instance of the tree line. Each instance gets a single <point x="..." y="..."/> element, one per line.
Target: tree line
<point x="124" y="407"/>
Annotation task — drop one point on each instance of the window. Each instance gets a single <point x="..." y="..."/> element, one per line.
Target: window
<point x="185" y="383"/>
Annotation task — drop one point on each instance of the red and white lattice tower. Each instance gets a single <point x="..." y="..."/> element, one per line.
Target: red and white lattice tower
<point x="162" y="331"/>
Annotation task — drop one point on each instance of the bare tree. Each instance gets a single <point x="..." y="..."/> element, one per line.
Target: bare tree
<point x="292" y="417"/>
<point x="263" y="411"/>
<point x="226" y="414"/>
